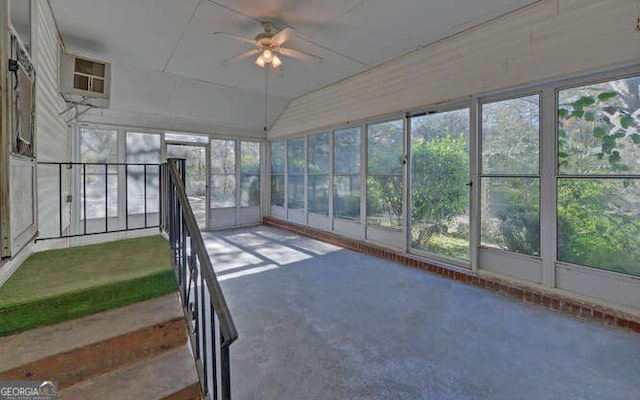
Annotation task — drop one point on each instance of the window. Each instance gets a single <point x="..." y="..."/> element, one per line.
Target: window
<point x="295" y="173"/>
<point x="143" y="180"/>
<point x="277" y="173"/>
<point x="318" y="170"/>
<point x="185" y="137"/>
<point x="346" y="170"/>
<point x="439" y="183"/>
<point x="98" y="185"/>
<point x="223" y="173"/>
<point x="598" y="210"/>
<point x="510" y="182"/>
<point x="249" y="174"/>
<point x="384" y="174"/>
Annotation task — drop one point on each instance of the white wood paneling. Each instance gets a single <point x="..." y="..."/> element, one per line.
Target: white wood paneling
<point x="319" y="221"/>
<point x="548" y="40"/>
<point x="222" y="218"/>
<point x="278" y="212"/>
<point x="53" y="134"/>
<point x="385" y="237"/>
<point x="21" y="201"/>
<point x="297" y="216"/>
<point x="348" y="228"/>
<point x="249" y="215"/>
<point x="604" y="285"/>
<point x="514" y="265"/>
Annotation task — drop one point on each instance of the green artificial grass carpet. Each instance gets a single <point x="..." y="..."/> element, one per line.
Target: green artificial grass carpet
<point x="59" y="285"/>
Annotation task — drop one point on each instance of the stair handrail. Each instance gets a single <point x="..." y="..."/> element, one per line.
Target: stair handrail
<point x="227" y="325"/>
<point x="179" y="227"/>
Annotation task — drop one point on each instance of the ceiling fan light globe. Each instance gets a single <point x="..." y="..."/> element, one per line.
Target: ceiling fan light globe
<point x="276" y="62"/>
<point x="260" y="61"/>
<point x="267" y="55"/>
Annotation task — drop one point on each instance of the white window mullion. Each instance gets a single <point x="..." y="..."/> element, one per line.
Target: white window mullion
<point x="474" y="190"/>
<point x="238" y="171"/>
<point x="548" y="194"/>
<point x="305" y="179"/>
<point x="406" y="185"/>
<point x="330" y="172"/>
<point x="363" y="179"/>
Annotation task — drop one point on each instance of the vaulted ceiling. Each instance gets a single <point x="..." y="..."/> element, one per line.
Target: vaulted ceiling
<point x="172" y="41"/>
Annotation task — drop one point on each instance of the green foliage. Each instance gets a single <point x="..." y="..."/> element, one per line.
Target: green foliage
<point x="384" y="170"/>
<point x="346" y="206"/>
<point x="603" y="125"/>
<point x="518" y="216"/>
<point x="439" y="191"/>
<point x="599" y="224"/>
<point x="598" y="219"/>
<point x="384" y="198"/>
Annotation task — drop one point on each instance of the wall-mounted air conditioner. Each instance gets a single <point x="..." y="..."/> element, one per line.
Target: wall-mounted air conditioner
<point x="85" y="81"/>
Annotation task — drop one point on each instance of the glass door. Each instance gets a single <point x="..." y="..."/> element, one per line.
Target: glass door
<point x="439" y="185"/>
<point x="195" y="176"/>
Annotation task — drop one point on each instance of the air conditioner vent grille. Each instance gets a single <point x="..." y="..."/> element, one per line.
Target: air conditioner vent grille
<point x="85" y="81"/>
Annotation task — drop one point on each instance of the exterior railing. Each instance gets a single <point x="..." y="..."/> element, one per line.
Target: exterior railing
<point x="97" y="204"/>
<point x="211" y="328"/>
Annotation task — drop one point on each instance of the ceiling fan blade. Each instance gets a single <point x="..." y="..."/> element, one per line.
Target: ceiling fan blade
<point x="282" y="36"/>
<point x="232" y="36"/>
<point x="300" y="55"/>
<point x="241" y="56"/>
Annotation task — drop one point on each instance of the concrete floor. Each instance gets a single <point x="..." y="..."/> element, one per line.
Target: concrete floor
<point x="320" y="322"/>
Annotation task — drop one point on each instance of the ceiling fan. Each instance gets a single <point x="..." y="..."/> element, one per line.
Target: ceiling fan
<point x="268" y="46"/>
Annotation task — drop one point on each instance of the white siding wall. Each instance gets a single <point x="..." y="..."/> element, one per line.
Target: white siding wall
<point x="53" y="134"/>
<point x="551" y="39"/>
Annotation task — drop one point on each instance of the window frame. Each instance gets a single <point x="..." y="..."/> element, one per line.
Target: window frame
<point x="481" y="175"/>
<point x="326" y="174"/>
<point x="576" y="83"/>
<point x="403" y="168"/>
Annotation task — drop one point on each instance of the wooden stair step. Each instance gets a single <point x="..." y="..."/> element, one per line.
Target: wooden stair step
<point x="79" y="349"/>
<point x="170" y="375"/>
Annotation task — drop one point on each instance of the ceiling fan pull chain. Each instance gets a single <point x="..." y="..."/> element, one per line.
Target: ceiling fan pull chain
<point x="266" y="87"/>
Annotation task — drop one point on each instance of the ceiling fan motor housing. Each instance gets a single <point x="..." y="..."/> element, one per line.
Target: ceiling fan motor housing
<point x="263" y="40"/>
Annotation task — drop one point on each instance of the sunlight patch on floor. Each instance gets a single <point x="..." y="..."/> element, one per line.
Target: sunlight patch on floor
<point x="281" y="255"/>
<point x="251" y="271"/>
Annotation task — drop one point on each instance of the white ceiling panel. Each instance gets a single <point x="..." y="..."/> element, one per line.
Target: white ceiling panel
<point x="200" y="55"/>
<point x="138" y="32"/>
<point x="299" y="13"/>
<point x="381" y="30"/>
<point x="172" y="41"/>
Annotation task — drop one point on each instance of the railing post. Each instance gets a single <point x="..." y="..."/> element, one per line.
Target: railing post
<point x="106" y="198"/>
<point x="60" y="198"/>
<point x="145" y="195"/>
<point x="126" y="196"/>
<point x="84" y="195"/>
<point x="225" y="371"/>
